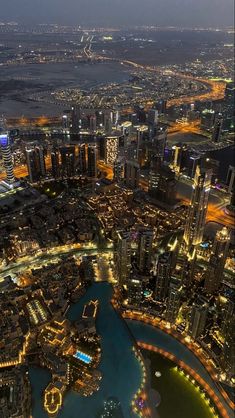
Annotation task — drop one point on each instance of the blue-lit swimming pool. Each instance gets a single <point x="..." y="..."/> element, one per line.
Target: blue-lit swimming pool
<point x="83" y="357"/>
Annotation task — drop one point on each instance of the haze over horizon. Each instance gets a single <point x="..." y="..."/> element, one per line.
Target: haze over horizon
<point x="179" y="13"/>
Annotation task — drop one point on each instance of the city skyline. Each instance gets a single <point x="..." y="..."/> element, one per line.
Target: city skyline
<point x="117" y="209"/>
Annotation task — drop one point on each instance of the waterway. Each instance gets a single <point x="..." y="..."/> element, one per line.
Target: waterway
<point x="120" y="369"/>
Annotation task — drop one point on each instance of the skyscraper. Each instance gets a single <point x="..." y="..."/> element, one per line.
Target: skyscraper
<point x="159" y="141"/>
<point x="7" y="158"/>
<point x="35" y="163"/>
<point x="92" y="155"/>
<point x="144" y="253"/>
<point x="198" y="318"/>
<point x="163" y="276"/>
<point x="197" y="210"/>
<point x="173" y="300"/>
<point x="217" y="129"/>
<point x="82" y="160"/>
<point x="132" y="174"/>
<point x="118" y="169"/>
<point x="55" y="163"/>
<point x="215" y="268"/>
<point x="67" y="161"/>
<point x="123" y="256"/>
<point x="230" y="180"/>
<point x="134" y="288"/>
<point x="111" y="149"/>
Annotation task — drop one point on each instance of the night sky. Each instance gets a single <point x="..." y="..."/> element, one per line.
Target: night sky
<point x="187" y="13"/>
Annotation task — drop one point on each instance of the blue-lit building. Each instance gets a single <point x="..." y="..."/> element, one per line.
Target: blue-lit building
<point x="7" y="157"/>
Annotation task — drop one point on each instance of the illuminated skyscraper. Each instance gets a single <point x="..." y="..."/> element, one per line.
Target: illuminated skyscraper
<point x="111" y="149"/>
<point x="134" y="288"/>
<point x="215" y="268"/>
<point x="173" y="300"/>
<point x="35" y="164"/>
<point x="198" y="317"/>
<point x="7" y="157"/>
<point x="118" y="169"/>
<point x="159" y="141"/>
<point x="163" y="276"/>
<point x="123" y="256"/>
<point x="144" y="253"/>
<point x="197" y="210"/>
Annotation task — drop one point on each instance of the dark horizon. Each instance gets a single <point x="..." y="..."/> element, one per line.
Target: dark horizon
<point x="120" y="13"/>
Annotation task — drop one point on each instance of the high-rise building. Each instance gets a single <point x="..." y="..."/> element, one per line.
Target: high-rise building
<point x="197" y="209"/>
<point x="123" y="256"/>
<point x="7" y="157"/>
<point x="207" y="119"/>
<point x="107" y="122"/>
<point x="92" y="123"/>
<point x="67" y="161"/>
<point x="92" y="156"/>
<point x="154" y="175"/>
<point x="153" y="116"/>
<point x="65" y="121"/>
<point x="111" y="149"/>
<point x="217" y="129"/>
<point x="230" y="180"/>
<point x="144" y="252"/>
<point x="228" y="357"/>
<point x="215" y="268"/>
<point x="118" y="169"/>
<point x="82" y="160"/>
<point x="163" y="276"/>
<point x="161" y="106"/>
<point x="173" y="300"/>
<point x="75" y="120"/>
<point x="132" y="174"/>
<point x="35" y="163"/>
<point x="134" y="289"/>
<point x="142" y="131"/>
<point x="159" y="141"/>
<point x="55" y="163"/>
<point x="193" y="162"/>
<point x="198" y="318"/>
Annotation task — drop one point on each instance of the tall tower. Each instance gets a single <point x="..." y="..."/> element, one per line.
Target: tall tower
<point x="82" y="160"/>
<point x="111" y="149"/>
<point x="123" y="256"/>
<point x="132" y="174"/>
<point x="173" y="300"/>
<point x="163" y="276"/>
<point x="219" y="253"/>
<point x="35" y="164"/>
<point x="67" y="161"/>
<point x="198" y="317"/>
<point x="197" y="210"/>
<point x="145" y="250"/>
<point x="92" y="155"/>
<point x="55" y="163"/>
<point x="7" y="157"/>
<point x="217" y="131"/>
